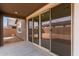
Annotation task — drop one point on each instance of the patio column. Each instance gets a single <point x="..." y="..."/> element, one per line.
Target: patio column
<point x="75" y="30"/>
<point x="1" y="30"/>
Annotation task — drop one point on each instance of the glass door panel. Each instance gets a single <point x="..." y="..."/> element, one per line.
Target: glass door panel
<point x="30" y="27"/>
<point x="61" y="30"/>
<point x="45" y="30"/>
<point x="36" y="30"/>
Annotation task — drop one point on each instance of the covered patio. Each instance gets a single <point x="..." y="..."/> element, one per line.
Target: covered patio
<point x="22" y="49"/>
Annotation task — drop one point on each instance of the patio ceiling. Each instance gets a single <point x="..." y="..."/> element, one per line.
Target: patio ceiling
<point x="20" y="10"/>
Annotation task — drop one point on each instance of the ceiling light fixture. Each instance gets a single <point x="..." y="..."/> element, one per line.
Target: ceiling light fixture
<point x="16" y="12"/>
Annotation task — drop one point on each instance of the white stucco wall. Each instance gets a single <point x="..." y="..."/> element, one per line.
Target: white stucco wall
<point x="22" y="35"/>
<point x="76" y="30"/>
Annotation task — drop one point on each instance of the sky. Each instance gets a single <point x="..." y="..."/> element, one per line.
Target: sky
<point x="5" y="20"/>
<point x="10" y="21"/>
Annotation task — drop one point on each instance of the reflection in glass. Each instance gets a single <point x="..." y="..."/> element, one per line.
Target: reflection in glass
<point x="30" y="26"/>
<point x="55" y="33"/>
<point x="36" y="30"/>
<point x="45" y="30"/>
<point x="61" y="30"/>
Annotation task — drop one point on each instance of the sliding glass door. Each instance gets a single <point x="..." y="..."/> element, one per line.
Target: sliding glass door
<point x="61" y="29"/>
<point x="45" y="30"/>
<point x="36" y="30"/>
<point x="30" y="28"/>
<point x="55" y="26"/>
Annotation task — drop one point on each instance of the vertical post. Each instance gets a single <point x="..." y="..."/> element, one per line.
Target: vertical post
<point x="50" y="29"/>
<point x="40" y="30"/>
<point x="1" y="30"/>
<point x="32" y="30"/>
<point x="25" y="30"/>
<point x="27" y="27"/>
<point x="72" y="27"/>
<point x="75" y="19"/>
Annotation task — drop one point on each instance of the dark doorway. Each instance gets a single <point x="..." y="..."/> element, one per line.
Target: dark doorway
<point x="36" y="30"/>
<point x="30" y="28"/>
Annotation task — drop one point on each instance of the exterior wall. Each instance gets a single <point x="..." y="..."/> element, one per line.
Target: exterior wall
<point x="23" y="32"/>
<point x="8" y="32"/>
<point x="75" y="30"/>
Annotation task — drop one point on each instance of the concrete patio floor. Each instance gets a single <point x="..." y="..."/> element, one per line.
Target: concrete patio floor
<point x="22" y="49"/>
